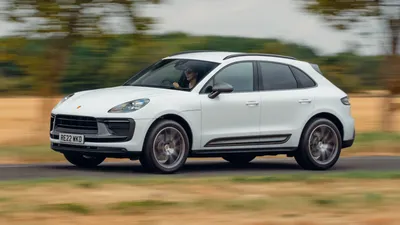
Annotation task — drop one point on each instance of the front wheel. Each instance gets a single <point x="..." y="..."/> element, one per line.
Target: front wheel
<point x="320" y="145"/>
<point x="84" y="161"/>
<point x="166" y="147"/>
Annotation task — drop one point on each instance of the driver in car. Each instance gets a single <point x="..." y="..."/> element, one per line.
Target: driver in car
<point x="191" y="77"/>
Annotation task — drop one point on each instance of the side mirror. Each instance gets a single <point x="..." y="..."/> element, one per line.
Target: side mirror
<point x="220" y="88"/>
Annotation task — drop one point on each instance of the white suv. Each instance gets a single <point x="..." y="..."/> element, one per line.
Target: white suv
<point x="208" y="104"/>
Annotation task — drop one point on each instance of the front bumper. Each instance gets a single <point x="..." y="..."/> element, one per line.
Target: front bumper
<point x="111" y="152"/>
<point x="118" y="136"/>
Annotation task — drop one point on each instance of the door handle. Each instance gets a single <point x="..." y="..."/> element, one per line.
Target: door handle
<point x="252" y="103"/>
<point x="305" y="101"/>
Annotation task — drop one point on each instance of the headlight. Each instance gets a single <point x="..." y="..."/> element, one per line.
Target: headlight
<point x="130" y="106"/>
<point x="64" y="99"/>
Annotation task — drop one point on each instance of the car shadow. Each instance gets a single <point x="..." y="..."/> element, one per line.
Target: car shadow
<point x="192" y="167"/>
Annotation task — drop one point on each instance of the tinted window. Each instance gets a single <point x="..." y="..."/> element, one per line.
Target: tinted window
<point x="277" y="76"/>
<point x="239" y="75"/>
<point x="302" y="78"/>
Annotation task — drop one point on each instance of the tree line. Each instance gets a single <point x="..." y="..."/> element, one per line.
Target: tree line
<point x="109" y="61"/>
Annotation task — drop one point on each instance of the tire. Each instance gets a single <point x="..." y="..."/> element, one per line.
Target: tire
<point x="177" y="150"/>
<point x="80" y="160"/>
<point x="305" y="154"/>
<point x="241" y="159"/>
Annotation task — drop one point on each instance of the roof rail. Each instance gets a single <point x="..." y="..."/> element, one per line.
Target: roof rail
<point x="257" y="54"/>
<point x="192" y="51"/>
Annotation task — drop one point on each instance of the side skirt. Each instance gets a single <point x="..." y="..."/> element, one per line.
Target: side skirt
<point x="255" y="151"/>
<point x="248" y="141"/>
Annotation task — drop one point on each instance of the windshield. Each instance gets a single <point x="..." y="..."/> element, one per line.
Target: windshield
<point x="180" y="74"/>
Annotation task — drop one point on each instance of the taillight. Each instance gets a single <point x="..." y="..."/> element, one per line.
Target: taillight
<point x="345" y="100"/>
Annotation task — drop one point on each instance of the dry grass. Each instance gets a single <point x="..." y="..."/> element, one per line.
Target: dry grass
<point x="333" y="201"/>
<point x="368" y="115"/>
<point x="21" y="121"/>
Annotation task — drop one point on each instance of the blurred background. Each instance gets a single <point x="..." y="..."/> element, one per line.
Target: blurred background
<point x="53" y="48"/>
<point x="50" y="48"/>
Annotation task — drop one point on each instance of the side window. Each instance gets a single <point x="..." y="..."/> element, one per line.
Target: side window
<point x="239" y="75"/>
<point x="277" y="76"/>
<point x="304" y="80"/>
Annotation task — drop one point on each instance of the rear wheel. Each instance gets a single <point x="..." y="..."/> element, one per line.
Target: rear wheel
<point x="166" y="147"/>
<point x="241" y="159"/>
<point x="83" y="160"/>
<point x="320" y="145"/>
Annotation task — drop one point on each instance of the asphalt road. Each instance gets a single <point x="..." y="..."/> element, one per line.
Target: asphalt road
<point x="194" y="168"/>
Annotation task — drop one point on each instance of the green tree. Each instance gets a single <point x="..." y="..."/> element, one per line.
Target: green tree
<point x="97" y="63"/>
<point x="345" y="15"/>
<point x="61" y="23"/>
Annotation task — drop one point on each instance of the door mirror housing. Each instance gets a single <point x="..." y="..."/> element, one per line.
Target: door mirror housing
<point x="220" y="88"/>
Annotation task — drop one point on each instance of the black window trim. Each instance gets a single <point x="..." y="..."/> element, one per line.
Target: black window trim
<point x="260" y="81"/>
<point x="256" y="85"/>
<point x="299" y="85"/>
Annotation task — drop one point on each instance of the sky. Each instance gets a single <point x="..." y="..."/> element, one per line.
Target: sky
<point x="283" y="19"/>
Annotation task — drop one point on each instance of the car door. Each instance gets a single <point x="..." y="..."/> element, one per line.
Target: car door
<point x="231" y="120"/>
<point x="286" y="102"/>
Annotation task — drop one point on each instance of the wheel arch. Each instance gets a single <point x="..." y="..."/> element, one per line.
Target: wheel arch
<point x="177" y="118"/>
<point x="329" y="116"/>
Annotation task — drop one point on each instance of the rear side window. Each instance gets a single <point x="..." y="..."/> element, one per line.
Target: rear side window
<point x="277" y="76"/>
<point x="304" y="80"/>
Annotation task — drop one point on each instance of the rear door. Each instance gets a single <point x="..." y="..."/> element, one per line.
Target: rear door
<point x="287" y="99"/>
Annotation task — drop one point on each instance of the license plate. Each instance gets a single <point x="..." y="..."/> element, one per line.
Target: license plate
<point x="72" y="138"/>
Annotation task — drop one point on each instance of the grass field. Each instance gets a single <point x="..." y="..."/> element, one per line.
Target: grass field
<point x="350" y="198"/>
<point x="21" y="121"/>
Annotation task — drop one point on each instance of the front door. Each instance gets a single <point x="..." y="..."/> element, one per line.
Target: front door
<point x="231" y="120"/>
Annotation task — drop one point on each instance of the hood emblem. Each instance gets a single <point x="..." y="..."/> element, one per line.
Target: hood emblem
<point x="78" y="107"/>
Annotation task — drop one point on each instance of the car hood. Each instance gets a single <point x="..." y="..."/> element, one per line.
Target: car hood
<point x="102" y="100"/>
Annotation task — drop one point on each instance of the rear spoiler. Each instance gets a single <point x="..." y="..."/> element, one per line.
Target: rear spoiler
<point x="316" y="68"/>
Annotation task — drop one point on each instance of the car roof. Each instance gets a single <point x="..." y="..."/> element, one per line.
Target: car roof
<point x="220" y="56"/>
<point x="214" y="56"/>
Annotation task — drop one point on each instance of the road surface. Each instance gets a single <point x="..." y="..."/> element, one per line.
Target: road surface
<point x="194" y="168"/>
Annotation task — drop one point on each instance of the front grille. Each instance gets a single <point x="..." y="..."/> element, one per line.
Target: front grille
<point x="76" y="123"/>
